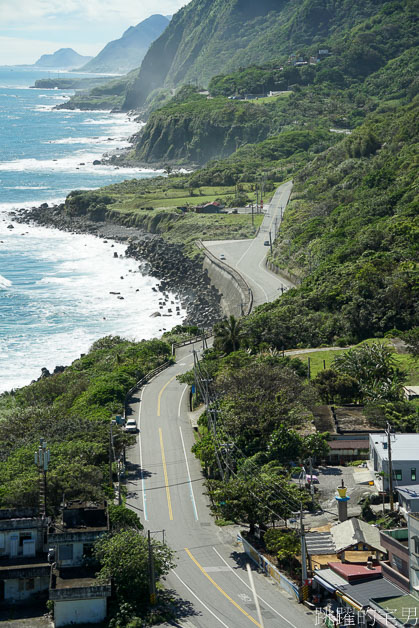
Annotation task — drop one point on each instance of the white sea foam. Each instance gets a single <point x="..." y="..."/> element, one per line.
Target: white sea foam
<point x="76" y="301"/>
<point x="4" y="283"/>
<point x="67" y="164"/>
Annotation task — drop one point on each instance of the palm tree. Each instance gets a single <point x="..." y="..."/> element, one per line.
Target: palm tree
<point x="227" y="334"/>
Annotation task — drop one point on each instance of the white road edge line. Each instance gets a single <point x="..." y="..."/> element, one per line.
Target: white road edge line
<point x="181" y="399"/>
<point x="141" y="458"/>
<point x="199" y="600"/>
<point x="245" y="584"/>
<point x="189" y="476"/>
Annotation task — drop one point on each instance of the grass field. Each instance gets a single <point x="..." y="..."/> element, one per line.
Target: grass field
<point x="323" y="359"/>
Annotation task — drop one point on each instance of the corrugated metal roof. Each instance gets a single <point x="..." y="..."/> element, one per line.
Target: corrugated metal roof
<point x="355" y="531"/>
<point x="329" y="576"/>
<point x="319" y="543"/>
<point x="363" y="592"/>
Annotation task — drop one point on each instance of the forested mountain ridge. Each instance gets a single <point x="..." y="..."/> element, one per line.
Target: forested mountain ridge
<point x="127" y="52"/>
<point x="208" y="37"/>
<point x="364" y="64"/>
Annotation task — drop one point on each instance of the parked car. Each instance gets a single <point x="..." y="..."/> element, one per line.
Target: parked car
<point x="131" y="425"/>
<point x="312" y="479"/>
<point x="266" y="243"/>
<point x="222" y="256"/>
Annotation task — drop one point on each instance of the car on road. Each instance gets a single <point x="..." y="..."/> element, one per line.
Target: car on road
<point x="266" y="243"/>
<point x="222" y="256"/>
<point x="131" y="425"/>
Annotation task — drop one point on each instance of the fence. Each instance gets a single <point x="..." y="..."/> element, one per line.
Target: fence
<point x="270" y="570"/>
<point x="243" y="286"/>
<point x="162" y="367"/>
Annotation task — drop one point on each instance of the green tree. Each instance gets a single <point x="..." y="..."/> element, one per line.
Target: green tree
<point x="123" y="558"/>
<point x="336" y="387"/>
<point x="121" y="518"/>
<point x="227" y="334"/>
<point x="285" y="544"/>
<point x="374" y="367"/>
<point x="411" y="338"/>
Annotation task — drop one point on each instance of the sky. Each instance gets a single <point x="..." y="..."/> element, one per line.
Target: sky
<point x="31" y="28"/>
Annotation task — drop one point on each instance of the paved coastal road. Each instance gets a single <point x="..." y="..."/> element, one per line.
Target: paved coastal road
<point x="248" y="256"/>
<point x="165" y="487"/>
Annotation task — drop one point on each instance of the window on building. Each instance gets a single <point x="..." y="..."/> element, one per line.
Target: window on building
<point x="2" y="541"/>
<point x="30" y="584"/>
<point x="416" y="542"/>
<point x="398" y="474"/>
<point x="24" y="536"/>
<point x="413" y="473"/>
<point x="65" y="552"/>
<point x="87" y="550"/>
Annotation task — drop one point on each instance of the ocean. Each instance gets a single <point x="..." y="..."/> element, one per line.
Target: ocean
<point x="55" y="287"/>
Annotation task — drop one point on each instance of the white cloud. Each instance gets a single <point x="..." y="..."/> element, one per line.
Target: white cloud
<point x="25" y="12"/>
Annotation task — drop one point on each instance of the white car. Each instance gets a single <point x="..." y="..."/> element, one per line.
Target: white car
<point x="131" y="425"/>
<point x="222" y="256"/>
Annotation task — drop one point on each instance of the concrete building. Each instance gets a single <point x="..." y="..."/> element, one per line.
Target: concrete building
<point x="405" y="459"/>
<point x="77" y="595"/>
<point x="408" y="497"/>
<point x="24" y="568"/>
<point x="396" y="567"/>
<point x="413" y="536"/>
<point x="356" y="535"/>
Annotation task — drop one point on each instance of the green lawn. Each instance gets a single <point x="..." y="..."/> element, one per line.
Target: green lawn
<point x="323" y="359"/>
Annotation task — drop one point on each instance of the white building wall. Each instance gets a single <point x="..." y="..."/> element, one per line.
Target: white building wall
<point x="413" y="528"/>
<point x="79" y="611"/>
<point x="5" y="540"/>
<point x="17" y="590"/>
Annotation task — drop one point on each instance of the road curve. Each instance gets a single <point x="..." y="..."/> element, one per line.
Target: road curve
<point x="248" y="256"/>
<point x="165" y="487"/>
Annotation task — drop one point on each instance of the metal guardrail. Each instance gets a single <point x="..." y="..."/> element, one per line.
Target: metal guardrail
<point x="242" y="284"/>
<point x="162" y="367"/>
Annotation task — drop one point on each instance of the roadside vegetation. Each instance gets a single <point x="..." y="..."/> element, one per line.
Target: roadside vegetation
<point x="72" y="411"/>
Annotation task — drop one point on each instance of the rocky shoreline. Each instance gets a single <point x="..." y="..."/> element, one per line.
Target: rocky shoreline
<point x="158" y="258"/>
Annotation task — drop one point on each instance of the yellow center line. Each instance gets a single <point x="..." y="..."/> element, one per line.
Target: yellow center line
<point x="161" y="392"/>
<point x="221" y="590"/>
<point x="166" y="481"/>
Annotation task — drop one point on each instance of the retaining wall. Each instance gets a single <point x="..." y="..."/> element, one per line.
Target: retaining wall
<point x="236" y="294"/>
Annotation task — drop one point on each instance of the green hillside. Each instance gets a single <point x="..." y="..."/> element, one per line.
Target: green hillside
<point x="338" y="91"/>
<point x="208" y="37"/>
<point x="351" y="233"/>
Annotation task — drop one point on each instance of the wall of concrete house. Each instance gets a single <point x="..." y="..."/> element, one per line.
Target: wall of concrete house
<point x="413" y="528"/>
<point x="78" y="551"/>
<point x="17" y="590"/>
<point x="68" y="612"/>
<point x="404" y="466"/>
<point x="35" y="533"/>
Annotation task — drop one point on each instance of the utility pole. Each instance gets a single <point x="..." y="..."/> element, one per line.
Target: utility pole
<point x="152" y="575"/>
<point x="311" y="481"/>
<point x="270" y="241"/>
<point x="110" y="455"/>
<point x="42" y="458"/>
<point x="255" y="596"/>
<point x="252" y="217"/>
<point x="308" y="368"/>
<point x="303" y="549"/>
<point x="390" y="466"/>
<point x="257" y="199"/>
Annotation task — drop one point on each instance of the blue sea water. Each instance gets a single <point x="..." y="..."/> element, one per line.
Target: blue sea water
<point x="55" y="287"/>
